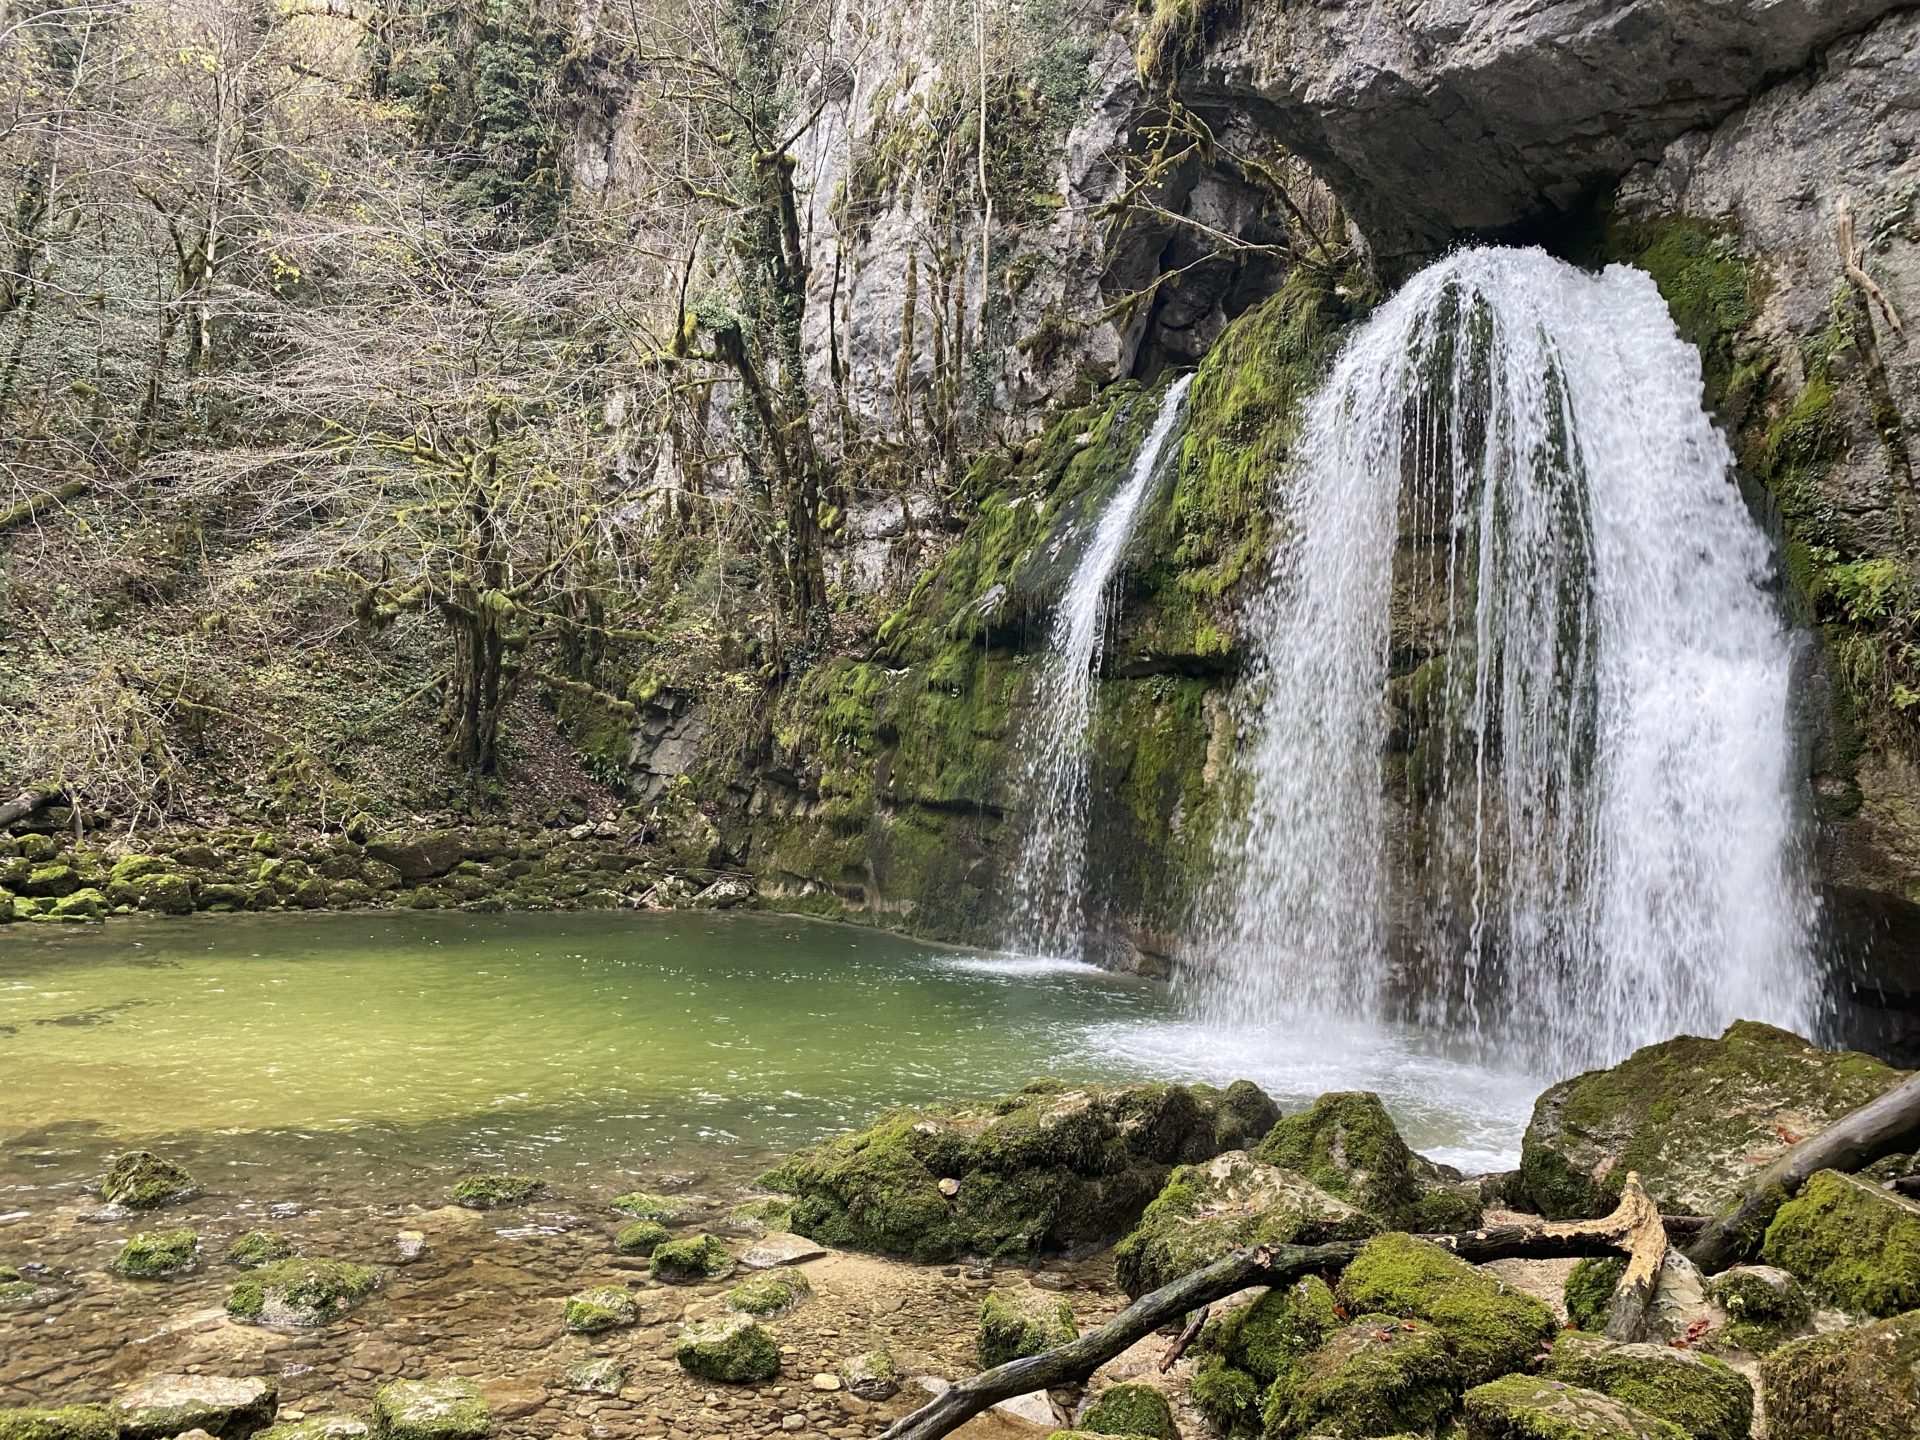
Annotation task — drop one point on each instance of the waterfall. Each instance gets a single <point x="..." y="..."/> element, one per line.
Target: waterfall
<point x="1050" y="877"/>
<point x="1517" y="726"/>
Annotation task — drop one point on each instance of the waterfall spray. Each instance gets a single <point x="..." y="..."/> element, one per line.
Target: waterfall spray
<point x="1049" y="881"/>
<point x="1517" y="724"/>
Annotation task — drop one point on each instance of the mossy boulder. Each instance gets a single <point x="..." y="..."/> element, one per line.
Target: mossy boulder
<point x="1207" y="1210"/>
<point x="1492" y="1328"/>
<point x="1015" y="1323"/>
<point x="141" y="1180"/>
<point x="421" y="854"/>
<point x="224" y="1407"/>
<point x="1526" y="1407"/>
<point x="734" y="1350"/>
<point x="775" y="1212"/>
<point x="1850" y="1241"/>
<point x="88" y="904"/>
<point x="1380" y="1375"/>
<point x="692" y="1260"/>
<point x="1048" y="1168"/>
<point x="50" y="881"/>
<point x="644" y="1205"/>
<point x="602" y="1376"/>
<point x="1272" y="1333"/>
<point x="872" y="1375"/>
<point x="447" y="1409"/>
<point x="320" y="1427"/>
<point x="642" y="1237"/>
<point x="1703" y="1396"/>
<point x="1348" y="1145"/>
<point x="1130" y="1409"/>
<point x="1696" y="1118"/>
<point x="1766" y="1307"/>
<point x="774" y="1292"/>
<point x="260" y="1247"/>
<point x="164" y="893"/>
<point x="1589" y="1288"/>
<point x="603" y="1308"/>
<point x="301" y="1292"/>
<point x="496" y="1192"/>
<point x="156" y="1254"/>
<point x="1228" y="1397"/>
<point x="1861" y="1383"/>
<point x="68" y="1422"/>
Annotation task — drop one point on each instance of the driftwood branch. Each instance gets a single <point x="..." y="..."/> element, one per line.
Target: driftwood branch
<point x="27" y="802"/>
<point x="1853" y="261"/>
<point x="1645" y="1241"/>
<point x="1880" y="1127"/>
<point x="1626" y="1228"/>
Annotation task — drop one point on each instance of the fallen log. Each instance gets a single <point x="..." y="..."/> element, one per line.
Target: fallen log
<point x="1880" y="1127"/>
<point x="1645" y="1241"/>
<point x="1625" y="1229"/>
<point x="27" y="802"/>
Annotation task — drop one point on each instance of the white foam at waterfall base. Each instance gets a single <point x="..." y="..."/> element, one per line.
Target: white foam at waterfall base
<point x="1513" y="454"/>
<point x="1048" y="884"/>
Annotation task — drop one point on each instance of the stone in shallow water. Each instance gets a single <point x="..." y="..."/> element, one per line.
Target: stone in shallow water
<point x="141" y="1180"/>
<point x="1520" y="1407"/>
<point x="604" y="1376"/>
<point x="871" y="1375"/>
<point x="260" y="1247"/>
<point x="320" y="1427"/>
<point x="450" y="1409"/>
<point x="604" y="1307"/>
<point x="1016" y="1323"/>
<point x="645" y="1205"/>
<point x="69" y="1422"/>
<point x="155" y="1254"/>
<point x="775" y="1249"/>
<point x="689" y="1261"/>
<point x="224" y="1407"/>
<point x="642" y="1237"/>
<point x="1034" y="1407"/>
<point x="769" y="1294"/>
<point x="301" y="1292"/>
<point x="1131" y="1409"/>
<point x="496" y="1192"/>
<point x="734" y="1349"/>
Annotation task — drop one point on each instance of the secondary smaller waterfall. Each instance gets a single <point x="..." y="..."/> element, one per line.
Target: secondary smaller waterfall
<point x="1521" y="762"/>
<point x="1050" y="878"/>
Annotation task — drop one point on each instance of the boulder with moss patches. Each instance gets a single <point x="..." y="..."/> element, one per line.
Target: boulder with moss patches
<point x="1130" y="1408"/>
<point x="1379" y="1375"/>
<point x="734" y="1350"/>
<point x="449" y="1409"/>
<point x="1048" y="1168"/>
<point x="320" y="1427"/>
<point x="301" y="1292"/>
<point x="642" y="1237"/>
<point x="1228" y="1398"/>
<point x="1524" y="1407"/>
<point x="1589" y="1288"/>
<point x="223" y="1407"/>
<point x="1248" y="1346"/>
<point x="1014" y="1323"/>
<point x="771" y="1293"/>
<point x="1861" y="1383"/>
<point x="496" y="1192"/>
<point x="872" y="1375"/>
<point x="1703" y="1396"/>
<point x="1348" y="1145"/>
<point x="68" y="1422"/>
<point x="603" y="1308"/>
<point x="141" y="1180"/>
<point x="1207" y="1210"/>
<point x="1765" y="1307"/>
<point x="644" y="1205"/>
<point x="1696" y="1118"/>
<point x="692" y="1260"/>
<point x="260" y="1247"/>
<point x="1492" y="1328"/>
<point x="1850" y="1241"/>
<point x="156" y="1254"/>
<point x="756" y="1217"/>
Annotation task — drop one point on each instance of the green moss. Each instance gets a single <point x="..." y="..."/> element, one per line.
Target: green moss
<point x="319" y="1427"/>
<point x="1019" y="1323"/>
<point x="602" y="1308"/>
<point x="1522" y="1407"/>
<point x="1861" y="1383"/>
<point x="154" y="1254"/>
<point x="1765" y="1307"/>
<point x="734" y="1350"/>
<point x="1348" y="1145"/>
<point x="643" y="1205"/>
<point x="692" y="1260"/>
<point x="449" y="1409"/>
<point x="1131" y="1409"/>
<point x="774" y="1213"/>
<point x="772" y="1293"/>
<point x="1228" y="1397"/>
<point x="642" y="1237"/>
<point x="495" y="1192"/>
<point x="1380" y="1375"/>
<point x="1704" y="1397"/>
<point x="1492" y="1328"/>
<point x="301" y="1292"/>
<point x="1854" y="1243"/>
<point x="141" y="1180"/>
<point x="260" y="1247"/>
<point x="1270" y="1334"/>
<point x="69" y="1422"/>
<point x="1589" y="1290"/>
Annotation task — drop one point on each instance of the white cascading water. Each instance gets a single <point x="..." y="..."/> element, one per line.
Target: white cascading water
<point x="1049" y="881"/>
<point x="1520" y="749"/>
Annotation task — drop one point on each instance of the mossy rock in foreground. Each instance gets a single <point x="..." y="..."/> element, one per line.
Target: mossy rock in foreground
<point x="1206" y="1211"/>
<point x="1861" y="1383"/>
<point x="603" y="1308"/>
<point x="1765" y="1307"/>
<point x="320" y="1427"/>
<point x="692" y="1260"/>
<point x="1270" y="1335"/>
<point x="1227" y="1396"/>
<point x="734" y="1350"/>
<point x="69" y="1422"/>
<point x="1851" y="1241"/>
<point x="141" y="1180"/>
<point x="770" y="1294"/>
<point x="1703" y="1396"/>
<point x="1492" y="1328"/>
<point x="155" y="1254"/>
<point x="301" y="1292"/>
<point x="450" y="1409"/>
<point x="1523" y="1407"/>
<point x="1348" y="1145"/>
<point x="1589" y="1289"/>
<point x="1017" y="1323"/>
<point x="1696" y="1118"/>
<point x="642" y="1237"/>
<point x="1049" y="1167"/>
<point x="1380" y="1375"/>
<point x="496" y="1192"/>
<point x="226" y="1408"/>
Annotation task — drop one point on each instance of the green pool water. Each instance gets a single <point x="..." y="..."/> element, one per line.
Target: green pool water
<point x="369" y="1047"/>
